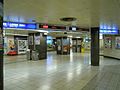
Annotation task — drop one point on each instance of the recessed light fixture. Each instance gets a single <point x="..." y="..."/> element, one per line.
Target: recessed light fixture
<point x="68" y="19"/>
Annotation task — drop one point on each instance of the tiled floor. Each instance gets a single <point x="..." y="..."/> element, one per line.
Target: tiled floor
<point x="62" y="72"/>
<point x="14" y="59"/>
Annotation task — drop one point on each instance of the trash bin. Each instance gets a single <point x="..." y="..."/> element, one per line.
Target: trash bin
<point x="28" y="54"/>
<point x="35" y="55"/>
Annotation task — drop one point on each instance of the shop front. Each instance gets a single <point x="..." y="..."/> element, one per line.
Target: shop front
<point x="16" y="37"/>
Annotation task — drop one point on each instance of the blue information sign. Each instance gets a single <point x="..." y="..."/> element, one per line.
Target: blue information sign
<point x="109" y="31"/>
<point x="19" y="25"/>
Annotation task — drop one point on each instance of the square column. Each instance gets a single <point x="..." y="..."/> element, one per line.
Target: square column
<point x="95" y="46"/>
<point x="1" y="45"/>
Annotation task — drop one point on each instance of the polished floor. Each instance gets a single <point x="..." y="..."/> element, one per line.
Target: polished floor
<point x="61" y="72"/>
<point x="14" y="59"/>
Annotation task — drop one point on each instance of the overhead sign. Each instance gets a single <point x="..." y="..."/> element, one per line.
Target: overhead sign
<point x="109" y="31"/>
<point x="73" y="28"/>
<point x="19" y="25"/>
<point x="45" y="26"/>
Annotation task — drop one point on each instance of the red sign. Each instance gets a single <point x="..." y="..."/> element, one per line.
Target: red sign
<point x="45" y="26"/>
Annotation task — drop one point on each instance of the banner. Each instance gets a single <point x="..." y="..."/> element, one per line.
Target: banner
<point x="117" y="42"/>
<point x="108" y="42"/>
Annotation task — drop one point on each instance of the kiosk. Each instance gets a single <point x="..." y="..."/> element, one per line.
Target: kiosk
<point x="77" y="44"/>
<point x="63" y="45"/>
<point x="37" y="44"/>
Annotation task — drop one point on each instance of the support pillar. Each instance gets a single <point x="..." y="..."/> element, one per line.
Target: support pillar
<point x="1" y="45"/>
<point x="95" y="46"/>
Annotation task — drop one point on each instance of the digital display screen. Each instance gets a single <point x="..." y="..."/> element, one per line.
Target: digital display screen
<point x="73" y="28"/>
<point x="19" y="25"/>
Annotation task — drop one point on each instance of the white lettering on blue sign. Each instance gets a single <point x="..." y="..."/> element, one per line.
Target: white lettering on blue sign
<point x="110" y="31"/>
<point x="13" y="25"/>
<point x="5" y="24"/>
<point x="21" y="25"/>
<point x="113" y="31"/>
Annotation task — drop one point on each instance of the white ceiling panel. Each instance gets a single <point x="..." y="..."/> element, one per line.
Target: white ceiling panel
<point x="88" y="12"/>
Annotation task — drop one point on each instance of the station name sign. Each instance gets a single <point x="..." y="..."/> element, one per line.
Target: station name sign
<point x="19" y="25"/>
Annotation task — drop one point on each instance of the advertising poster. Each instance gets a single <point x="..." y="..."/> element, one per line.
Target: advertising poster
<point x="58" y="42"/>
<point x="74" y="42"/>
<point x="37" y="40"/>
<point x="30" y="39"/>
<point x="11" y="44"/>
<point x="22" y="46"/>
<point x="59" y="47"/>
<point x="108" y="42"/>
<point x="79" y="42"/>
<point x="66" y="44"/>
<point x="65" y="41"/>
<point x="117" y="42"/>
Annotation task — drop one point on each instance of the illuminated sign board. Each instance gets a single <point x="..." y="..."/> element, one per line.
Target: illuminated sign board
<point x="45" y="26"/>
<point x="106" y="29"/>
<point x="54" y="27"/>
<point x="19" y="25"/>
<point x="60" y="27"/>
<point x="109" y="31"/>
<point x="73" y="28"/>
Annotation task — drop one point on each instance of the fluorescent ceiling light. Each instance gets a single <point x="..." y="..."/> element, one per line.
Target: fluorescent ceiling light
<point x="78" y="37"/>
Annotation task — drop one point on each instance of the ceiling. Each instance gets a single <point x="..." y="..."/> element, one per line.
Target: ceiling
<point x="88" y="12"/>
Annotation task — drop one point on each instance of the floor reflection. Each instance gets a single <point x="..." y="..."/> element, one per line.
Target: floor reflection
<point x="57" y="72"/>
